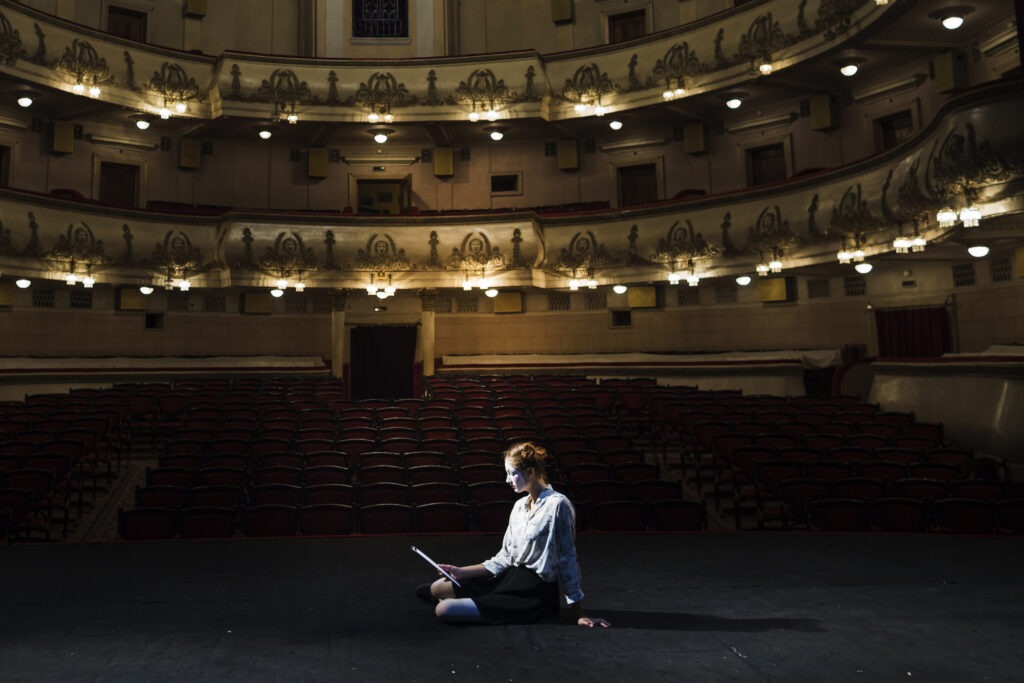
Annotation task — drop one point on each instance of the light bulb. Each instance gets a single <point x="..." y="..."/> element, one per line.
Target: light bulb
<point x="946" y="218"/>
<point x="492" y="115"/>
<point x="615" y="125"/>
<point x="953" y="22"/>
<point x="389" y="118"/>
<point x="282" y="284"/>
<point x="293" y="118"/>
<point x="94" y="91"/>
<point x="23" y="283"/>
<point x="580" y="108"/>
<point x="373" y="117"/>
<point x="146" y="290"/>
<point x="863" y="268"/>
<point x="78" y="88"/>
<point x="844" y="256"/>
<point x="181" y="107"/>
<point x="668" y="95"/>
<point x="971" y="217"/>
<point x="24" y="101"/>
<point x="673" y="278"/>
<point x="765" y="69"/>
<point x="300" y="286"/>
<point x="743" y="280"/>
<point x="474" y="116"/>
<point x="88" y="281"/>
<point x="70" y="278"/>
<point x="693" y="280"/>
<point x="164" y="113"/>
<point x="977" y="251"/>
<point x="599" y="110"/>
<point x="679" y="92"/>
<point x="184" y="285"/>
<point x="276" y="293"/>
<point x="265" y="134"/>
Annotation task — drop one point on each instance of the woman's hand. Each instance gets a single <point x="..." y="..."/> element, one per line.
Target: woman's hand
<point x="591" y="622"/>
<point x="453" y="571"/>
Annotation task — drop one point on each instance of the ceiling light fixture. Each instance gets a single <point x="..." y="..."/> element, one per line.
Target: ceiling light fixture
<point x="615" y="124"/>
<point x="146" y="290"/>
<point x="850" y="66"/>
<point x="743" y="280"/>
<point x="491" y="293"/>
<point x="496" y="132"/>
<point x="734" y="100"/>
<point x="951" y="18"/>
<point x="24" y="101"/>
<point x="23" y="283"/>
<point x="277" y="293"/>
<point x="978" y="251"/>
<point x="381" y="135"/>
<point x="265" y="133"/>
<point x="863" y="268"/>
<point x="620" y="289"/>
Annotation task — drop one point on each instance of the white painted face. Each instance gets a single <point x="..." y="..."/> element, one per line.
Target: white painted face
<point x="515" y="478"/>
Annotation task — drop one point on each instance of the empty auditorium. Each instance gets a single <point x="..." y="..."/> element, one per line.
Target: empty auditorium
<point x="506" y="340"/>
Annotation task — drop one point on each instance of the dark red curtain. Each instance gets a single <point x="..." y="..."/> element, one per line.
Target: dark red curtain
<point x="912" y="332"/>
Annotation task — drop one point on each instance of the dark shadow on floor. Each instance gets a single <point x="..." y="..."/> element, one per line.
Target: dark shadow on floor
<point x="681" y="621"/>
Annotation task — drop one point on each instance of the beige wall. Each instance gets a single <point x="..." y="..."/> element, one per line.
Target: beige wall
<point x="985" y="314"/>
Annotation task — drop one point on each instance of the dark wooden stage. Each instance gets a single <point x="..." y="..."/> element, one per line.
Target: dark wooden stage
<point x="696" y="607"/>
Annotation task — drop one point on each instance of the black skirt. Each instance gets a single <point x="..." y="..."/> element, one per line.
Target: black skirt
<point x="516" y="596"/>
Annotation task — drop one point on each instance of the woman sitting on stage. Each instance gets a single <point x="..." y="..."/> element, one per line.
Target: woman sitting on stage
<point x="520" y="583"/>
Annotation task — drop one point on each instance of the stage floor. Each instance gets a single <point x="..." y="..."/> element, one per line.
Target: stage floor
<point x="700" y="607"/>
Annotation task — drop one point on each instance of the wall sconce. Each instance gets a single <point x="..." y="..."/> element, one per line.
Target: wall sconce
<point x="496" y="132"/>
<point x="765" y="67"/>
<point x="384" y="115"/>
<point x="674" y="88"/>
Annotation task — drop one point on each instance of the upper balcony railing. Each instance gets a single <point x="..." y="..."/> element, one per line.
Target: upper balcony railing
<point x="707" y="55"/>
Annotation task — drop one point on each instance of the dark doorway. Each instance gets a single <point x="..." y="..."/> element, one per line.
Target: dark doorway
<point x="767" y="164"/>
<point x="912" y="332"/>
<point x="638" y="184"/>
<point x="382" y="361"/>
<point x="119" y="183"/>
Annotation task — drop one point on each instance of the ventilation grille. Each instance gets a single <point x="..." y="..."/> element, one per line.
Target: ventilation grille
<point x="819" y="288"/>
<point x="558" y="301"/>
<point x="81" y="298"/>
<point x="595" y="300"/>
<point x="855" y="285"/>
<point x="1001" y="269"/>
<point x="177" y="302"/>
<point x="44" y="298"/>
<point x="687" y="295"/>
<point x="214" y="303"/>
<point x="963" y="274"/>
<point x="466" y="302"/>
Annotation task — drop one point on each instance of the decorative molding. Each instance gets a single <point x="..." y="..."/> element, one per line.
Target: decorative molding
<point x="890" y="89"/>
<point x="121" y="143"/>
<point x="634" y="145"/>
<point x="762" y="124"/>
